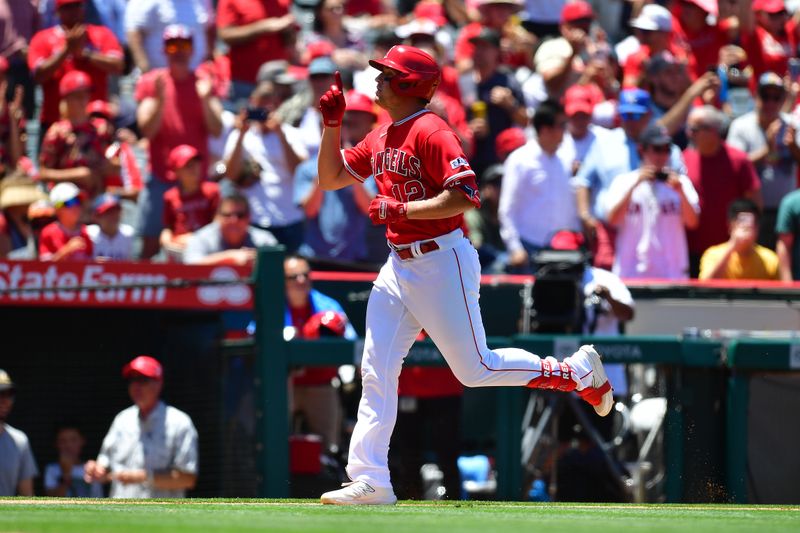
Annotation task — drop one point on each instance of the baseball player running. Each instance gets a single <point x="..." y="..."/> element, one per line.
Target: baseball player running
<point x="432" y="277"/>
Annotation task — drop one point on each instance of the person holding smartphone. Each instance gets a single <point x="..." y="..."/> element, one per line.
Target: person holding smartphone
<point x="652" y="207"/>
<point x="264" y="144"/>
<point x="740" y="257"/>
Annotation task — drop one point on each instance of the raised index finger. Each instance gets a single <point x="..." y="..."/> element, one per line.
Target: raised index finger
<point x="339" y="80"/>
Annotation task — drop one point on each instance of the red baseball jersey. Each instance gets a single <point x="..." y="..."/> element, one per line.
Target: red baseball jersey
<point x="54" y="236"/>
<point x="188" y="213"/>
<point x="413" y="159"/>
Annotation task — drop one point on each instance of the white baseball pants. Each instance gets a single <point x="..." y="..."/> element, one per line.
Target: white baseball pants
<point x="439" y="292"/>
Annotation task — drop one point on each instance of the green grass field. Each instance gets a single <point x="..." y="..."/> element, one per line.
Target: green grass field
<point x="196" y="516"/>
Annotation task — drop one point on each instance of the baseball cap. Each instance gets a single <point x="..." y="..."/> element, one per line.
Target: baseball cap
<point x="73" y="81"/>
<point x="770" y="79"/>
<point x="104" y="203"/>
<point x="322" y="66"/>
<point x="567" y="240"/>
<point x="144" y="365"/>
<point x="5" y="381"/>
<point x="636" y="101"/>
<point x="100" y="107"/>
<point x="63" y="193"/>
<point x="417" y="27"/>
<point x="179" y="157"/>
<point x="276" y="71"/>
<point x="487" y="35"/>
<point x="509" y="140"/>
<point x="60" y="3"/>
<point x="320" y="48"/>
<point x="769" y="6"/>
<point x="516" y="3"/>
<point x="357" y="101"/>
<point x="433" y="11"/>
<point x="177" y="31"/>
<point x="661" y="61"/>
<point x="709" y="6"/>
<point x="653" y="17"/>
<point x="577" y="10"/>
<point x="493" y="174"/>
<point x="552" y="54"/>
<point x="655" y="135"/>
<point x="579" y="99"/>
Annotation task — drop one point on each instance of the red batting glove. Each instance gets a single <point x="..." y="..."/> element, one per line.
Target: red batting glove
<point x="385" y="209"/>
<point x="332" y="104"/>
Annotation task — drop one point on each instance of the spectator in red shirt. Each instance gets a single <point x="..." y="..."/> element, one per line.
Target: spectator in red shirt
<point x="769" y="42"/>
<point x="177" y="105"/>
<point x="255" y="32"/>
<point x="702" y="40"/>
<point x="654" y="25"/>
<point x="66" y="239"/>
<point x="71" y="46"/>
<point x="720" y="174"/>
<point x="74" y="148"/>
<point x="12" y="124"/>
<point x="191" y="203"/>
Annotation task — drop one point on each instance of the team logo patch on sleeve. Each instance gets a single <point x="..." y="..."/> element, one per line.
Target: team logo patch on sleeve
<point x="458" y="162"/>
<point x="471" y="192"/>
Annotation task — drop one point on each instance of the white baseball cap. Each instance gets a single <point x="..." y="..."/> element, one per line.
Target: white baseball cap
<point x="63" y="192"/>
<point x="653" y="17"/>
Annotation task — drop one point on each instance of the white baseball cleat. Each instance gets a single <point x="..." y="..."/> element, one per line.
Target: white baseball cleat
<point x="599" y="394"/>
<point x="360" y="493"/>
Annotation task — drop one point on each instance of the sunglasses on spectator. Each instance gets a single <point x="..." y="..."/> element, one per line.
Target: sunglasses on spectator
<point x="177" y="45"/>
<point x="631" y="116"/>
<point x="660" y="149"/>
<point x="240" y="215"/>
<point x="699" y="127"/>
<point x="296" y="277"/>
<point x="771" y="96"/>
<point x="72" y="202"/>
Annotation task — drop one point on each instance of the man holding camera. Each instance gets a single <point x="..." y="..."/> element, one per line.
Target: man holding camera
<point x="650" y="207"/>
<point x="262" y="144"/>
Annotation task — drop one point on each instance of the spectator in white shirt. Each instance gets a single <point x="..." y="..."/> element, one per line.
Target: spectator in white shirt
<point x="112" y="240"/>
<point x="274" y="149"/>
<point x="651" y="208"/>
<point x="536" y="198"/>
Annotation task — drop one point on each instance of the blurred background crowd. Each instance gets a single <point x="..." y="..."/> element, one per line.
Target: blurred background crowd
<point x="665" y="132"/>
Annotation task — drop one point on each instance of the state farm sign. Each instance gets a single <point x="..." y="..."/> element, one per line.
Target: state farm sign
<point x="122" y="285"/>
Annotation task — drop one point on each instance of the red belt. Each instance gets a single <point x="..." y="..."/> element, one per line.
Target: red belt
<point x="424" y="248"/>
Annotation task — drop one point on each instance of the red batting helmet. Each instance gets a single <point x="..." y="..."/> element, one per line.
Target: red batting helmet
<point x="419" y="74"/>
<point x="325" y="324"/>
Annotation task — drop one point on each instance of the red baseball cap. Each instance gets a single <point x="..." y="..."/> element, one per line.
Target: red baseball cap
<point x="144" y="365"/>
<point x="74" y="81"/>
<point x="567" y="240"/>
<point x="60" y="3"/>
<point x="578" y="10"/>
<point x="357" y="101"/>
<point x="579" y="99"/>
<point x="433" y="11"/>
<point x="177" y="31"/>
<point x="319" y="49"/>
<point x="180" y="155"/>
<point x="509" y="140"/>
<point x="709" y="6"/>
<point x="769" y="6"/>
<point x="100" y="107"/>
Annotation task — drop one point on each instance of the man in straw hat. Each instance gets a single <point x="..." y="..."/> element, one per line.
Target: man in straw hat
<point x="17" y="192"/>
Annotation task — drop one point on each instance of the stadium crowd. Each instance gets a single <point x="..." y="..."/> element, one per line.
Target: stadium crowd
<point x="665" y="131"/>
